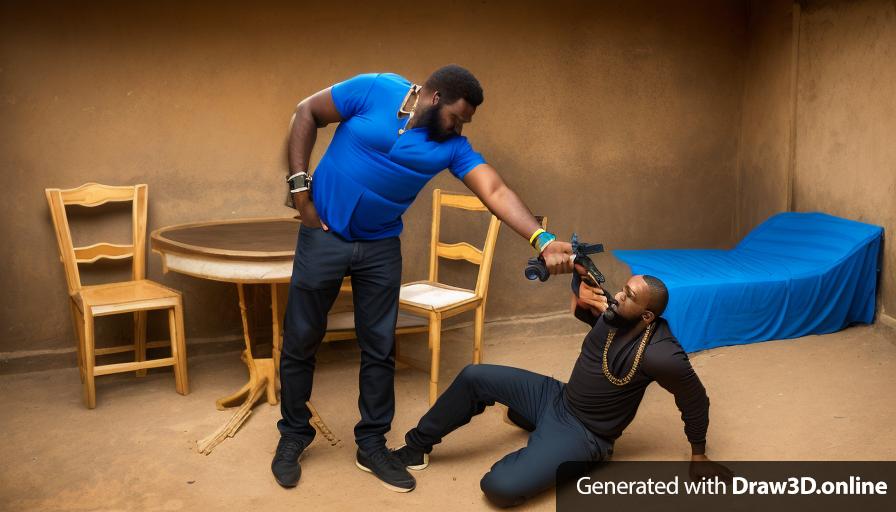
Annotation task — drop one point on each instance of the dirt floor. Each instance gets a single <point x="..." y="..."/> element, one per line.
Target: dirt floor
<point x="815" y="398"/>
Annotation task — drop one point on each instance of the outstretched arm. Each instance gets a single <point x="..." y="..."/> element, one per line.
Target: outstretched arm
<point x="504" y="203"/>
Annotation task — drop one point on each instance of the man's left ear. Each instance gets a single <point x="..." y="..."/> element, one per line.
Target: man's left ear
<point x="648" y="316"/>
<point x="436" y="97"/>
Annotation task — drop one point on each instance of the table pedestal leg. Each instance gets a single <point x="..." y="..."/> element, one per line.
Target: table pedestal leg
<point x="262" y="382"/>
<point x="261" y="376"/>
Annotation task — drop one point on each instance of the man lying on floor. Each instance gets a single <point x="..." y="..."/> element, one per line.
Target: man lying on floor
<point x="627" y="349"/>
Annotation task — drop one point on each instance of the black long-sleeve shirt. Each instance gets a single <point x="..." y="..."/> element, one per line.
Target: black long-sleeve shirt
<point x="607" y="409"/>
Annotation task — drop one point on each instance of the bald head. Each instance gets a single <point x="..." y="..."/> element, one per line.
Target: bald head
<point x="642" y="299"/>
<point x="659" y="294"/>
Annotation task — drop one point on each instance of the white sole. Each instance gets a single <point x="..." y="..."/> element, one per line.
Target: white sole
<point x="387" y="486"/>
<point x="419" y="467"/>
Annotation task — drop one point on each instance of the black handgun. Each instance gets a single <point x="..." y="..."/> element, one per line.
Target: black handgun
<point x="536" y="268"/>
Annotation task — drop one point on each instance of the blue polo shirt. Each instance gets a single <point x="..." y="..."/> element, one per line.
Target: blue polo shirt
<point x="370" y="174"/>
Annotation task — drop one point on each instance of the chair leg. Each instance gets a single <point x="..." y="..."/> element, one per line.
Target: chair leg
<point x="435" y="333"/>
<point x="276" y="327"/>
<point x="89" y="360"/>
<point x="78" y="322"/>
<point x="477" y="334"/>
<point x="178" y="349"/>
<point x="140" y="339"/>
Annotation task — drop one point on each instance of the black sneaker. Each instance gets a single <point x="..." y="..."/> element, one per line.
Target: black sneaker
<point x="411" y="458"/>
<point x="285" y="465"/>
<point x="386" y="466"/>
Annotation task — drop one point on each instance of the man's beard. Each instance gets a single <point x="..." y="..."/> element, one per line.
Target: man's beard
<point x="614" y="319"/>
<point x="432" y="121"/>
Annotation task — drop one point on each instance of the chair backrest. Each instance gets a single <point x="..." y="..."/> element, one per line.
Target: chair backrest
<point x="90" y="195"/>
<point x="462" y="250"/>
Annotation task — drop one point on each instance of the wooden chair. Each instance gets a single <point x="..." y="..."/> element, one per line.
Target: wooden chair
<point x="136" y="296"/>
<point x="435" y="301"/>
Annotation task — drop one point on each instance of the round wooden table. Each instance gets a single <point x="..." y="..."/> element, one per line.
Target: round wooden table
<point x="243" y="251"/>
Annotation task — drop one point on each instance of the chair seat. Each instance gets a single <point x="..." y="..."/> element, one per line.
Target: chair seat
<point x="434" y="296"/>
<point x="125" y="296"/>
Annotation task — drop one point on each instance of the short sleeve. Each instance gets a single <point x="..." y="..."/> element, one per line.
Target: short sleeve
<point x="351" y="95"/>
<point x="464" y="159"/>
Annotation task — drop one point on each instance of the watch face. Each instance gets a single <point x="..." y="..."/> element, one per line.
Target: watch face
<point x="300" y="181"/>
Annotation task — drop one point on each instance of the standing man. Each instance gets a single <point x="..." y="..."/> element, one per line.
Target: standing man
<point x="393" y="137"/>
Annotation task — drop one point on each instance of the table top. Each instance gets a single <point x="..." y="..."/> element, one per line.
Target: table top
<point x="258" y="240"/>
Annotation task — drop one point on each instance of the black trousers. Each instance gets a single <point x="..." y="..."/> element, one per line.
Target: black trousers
<point x="558" y="436"/>
<point x="322" y="260"/>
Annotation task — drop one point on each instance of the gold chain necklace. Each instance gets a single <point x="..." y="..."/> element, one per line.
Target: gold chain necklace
<point x="631" y="373"/>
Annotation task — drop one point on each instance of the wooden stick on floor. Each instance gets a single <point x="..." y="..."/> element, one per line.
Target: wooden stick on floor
<point x="230" y="428"/>
<point x="322" y="427"/>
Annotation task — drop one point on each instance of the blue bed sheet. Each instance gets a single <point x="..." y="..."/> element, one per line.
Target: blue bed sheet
<point x="795" y="274"/>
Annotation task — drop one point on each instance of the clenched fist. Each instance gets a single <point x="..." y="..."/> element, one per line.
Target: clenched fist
<point x="557" y="257"/>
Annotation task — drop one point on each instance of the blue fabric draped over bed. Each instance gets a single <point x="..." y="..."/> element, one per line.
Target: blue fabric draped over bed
<point x="795" y="274"/>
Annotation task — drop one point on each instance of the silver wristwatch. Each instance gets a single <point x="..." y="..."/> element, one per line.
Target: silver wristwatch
<point x="299" y="182"/>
